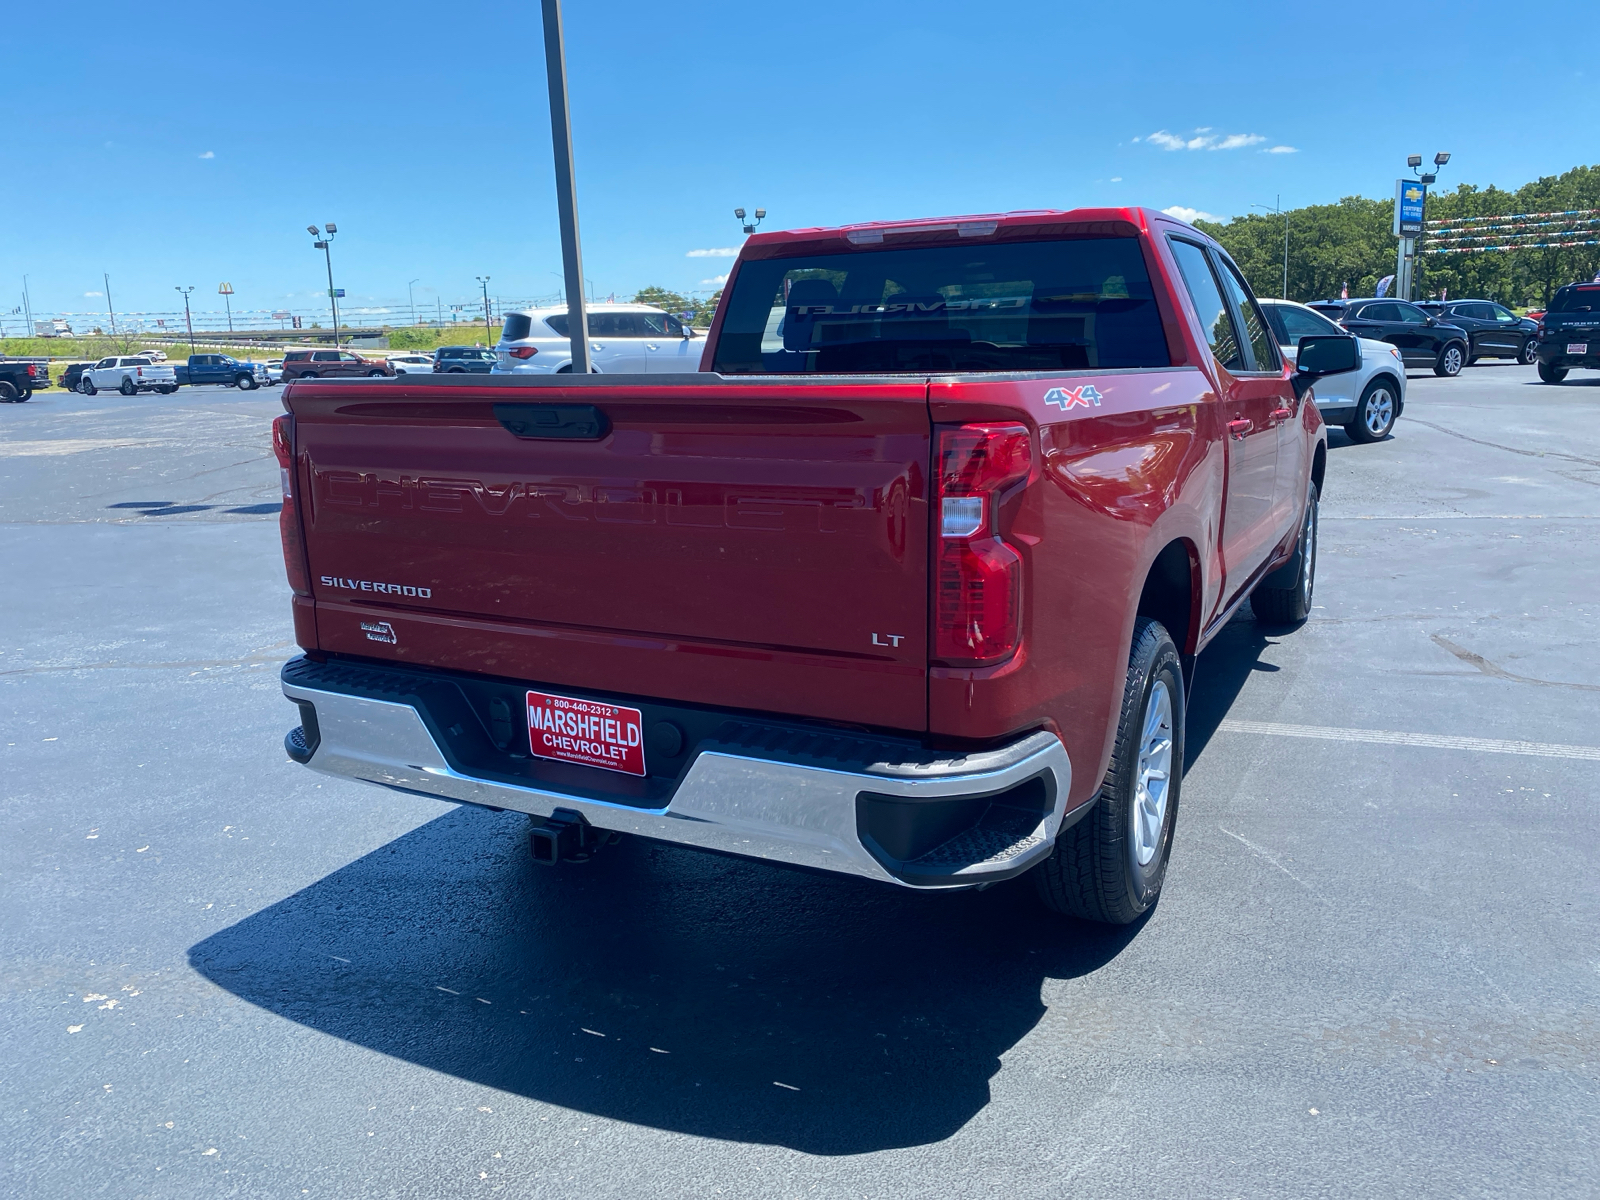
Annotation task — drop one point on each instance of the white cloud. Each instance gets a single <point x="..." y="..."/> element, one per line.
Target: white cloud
<point x="714" y="281"/>
<point x="1203" y="139"/>
<point x="209" y="154"/>
<point x="1190" y="215"/>
<point x="1116" y="179"/>
<point x="1281" y="150"/>
<point x="92" y="295"/>
<point x="721" y="252"/>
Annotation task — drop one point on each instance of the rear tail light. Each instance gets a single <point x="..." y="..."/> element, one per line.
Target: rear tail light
<point x="524" y="351"/>
<point x="977" y="605"/>
<point x="294" y="551"/>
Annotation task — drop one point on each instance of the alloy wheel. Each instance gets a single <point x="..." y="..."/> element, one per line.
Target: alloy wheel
<point x="1379" y="414"/>
<point x="1154" y="774"/>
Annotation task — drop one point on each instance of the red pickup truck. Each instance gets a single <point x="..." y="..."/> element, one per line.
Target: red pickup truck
<point x="907" y="582"/>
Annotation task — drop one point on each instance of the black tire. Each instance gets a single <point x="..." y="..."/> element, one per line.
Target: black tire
<point x="86" y="386"/>
<point x="25" y="396"/>
<point x="128" y="388"/>
<point x="1095" y="873"/>
<point x="1284" y="597"/>
<point x="168" y="390"/>
<point x="456" y="371"/>
<point x="1375" y="413"/>
<point x="1552" y="374"/>
<point x="245" y="383"/>
<point x="1529" y="353"/>
<point x="376" y="374"/>
<point x="8" y="392"/>
<point x="306" y="375"/>
<point x="1450" y="361"/>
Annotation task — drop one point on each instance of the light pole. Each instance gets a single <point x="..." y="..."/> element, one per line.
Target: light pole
<point x="483" y="281"/>
<point x="225" y="290"/>
<point x="555" y="65"/>
<point x="411" y="298"/>
<point x="322" y="244"/>
<point x="750" y="226"/>
<point x="1279" y="210"/>
<point x="187" y="319"/>
<point x="27" y="307"/>
<point x="110" y="307"/>
<point x="1406" y="264"/>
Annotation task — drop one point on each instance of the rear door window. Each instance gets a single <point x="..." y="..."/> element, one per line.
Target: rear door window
<point x="1576" y="299"/>
<point x="1300" y="322"/>
<point x="1263" y="350"/>
<point x="1215" y="318"/>
<point x="325" y="356"/>
<point x="1006" y="306"/>
<point x="516" y="327"/>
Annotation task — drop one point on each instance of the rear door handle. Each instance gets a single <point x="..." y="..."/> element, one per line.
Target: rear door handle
<point x="1238" y="429"/>
<point x="651" y="346"/>
<point x="1282" y="414"/>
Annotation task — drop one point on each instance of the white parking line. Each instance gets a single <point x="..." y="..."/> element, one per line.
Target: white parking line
<point x="1437" y="741"/>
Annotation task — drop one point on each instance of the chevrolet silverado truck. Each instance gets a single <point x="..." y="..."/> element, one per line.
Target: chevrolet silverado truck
<point x="20" y="377"/>
<point x="906" y="582"/>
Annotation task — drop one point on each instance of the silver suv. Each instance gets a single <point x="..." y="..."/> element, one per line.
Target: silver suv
<point x="1366" y="401"/>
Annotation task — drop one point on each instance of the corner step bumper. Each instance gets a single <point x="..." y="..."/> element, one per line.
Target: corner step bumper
<point x="929" y="820"/>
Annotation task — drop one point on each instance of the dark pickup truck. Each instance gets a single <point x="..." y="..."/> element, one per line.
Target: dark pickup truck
<point x="906" y="583"/>
<point x="1571" y="336"/>
<point x="20" y="377"/>
<point x="220" y="369"/>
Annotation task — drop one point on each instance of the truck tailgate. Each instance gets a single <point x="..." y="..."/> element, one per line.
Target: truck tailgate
<point x="751" y="544"/>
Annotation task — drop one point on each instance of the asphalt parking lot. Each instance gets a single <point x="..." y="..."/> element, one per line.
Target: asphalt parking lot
<point x="1374" y="969"/>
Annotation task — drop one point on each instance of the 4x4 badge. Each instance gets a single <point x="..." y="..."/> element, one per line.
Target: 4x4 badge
<point x="1065" y="398"/>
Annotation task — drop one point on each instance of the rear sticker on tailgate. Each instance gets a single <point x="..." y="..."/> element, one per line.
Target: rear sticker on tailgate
<point x="587" y="732"/>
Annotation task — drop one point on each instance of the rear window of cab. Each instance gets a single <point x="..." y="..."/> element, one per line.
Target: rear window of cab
<point x="1013" y="306"/>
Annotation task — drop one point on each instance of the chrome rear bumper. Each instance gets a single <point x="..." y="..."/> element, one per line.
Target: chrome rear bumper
<point x="994" y="813"/>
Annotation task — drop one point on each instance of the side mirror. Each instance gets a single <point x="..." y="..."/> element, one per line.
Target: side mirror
<point x="1323" y="354"/>
<point x="688" y="333"/>
<point x="1433" y="320"/>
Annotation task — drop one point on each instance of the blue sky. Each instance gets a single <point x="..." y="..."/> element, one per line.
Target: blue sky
<point x="194" y="145"/>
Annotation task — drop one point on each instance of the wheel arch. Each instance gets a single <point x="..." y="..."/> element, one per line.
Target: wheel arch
<point x="1171" y="594"/>
<point x="1319" y="465"/>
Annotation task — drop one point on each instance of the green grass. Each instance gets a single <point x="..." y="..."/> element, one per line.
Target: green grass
<point x="418" y="337"/>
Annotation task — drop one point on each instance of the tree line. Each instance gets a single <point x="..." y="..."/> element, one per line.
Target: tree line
<point x="1352" y="242"/>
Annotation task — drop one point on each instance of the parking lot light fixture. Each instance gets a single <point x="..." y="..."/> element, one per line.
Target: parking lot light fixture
<point x="323" y="244"/>
<point x="187" y="319"/>
<point x="1279" y="210"/>
<point x="488" y="335"/>
<point x="1413" y="161"/>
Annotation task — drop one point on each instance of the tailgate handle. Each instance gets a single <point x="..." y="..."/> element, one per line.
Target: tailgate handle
<point x="576" y="422"/>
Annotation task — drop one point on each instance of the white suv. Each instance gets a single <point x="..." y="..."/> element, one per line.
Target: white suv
<point x="623" y="339"/>
<point x="1365" y="401"/>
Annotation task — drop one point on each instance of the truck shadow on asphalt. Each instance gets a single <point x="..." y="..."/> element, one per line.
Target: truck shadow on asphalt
<point x="688" y="992"/>
<point x="683" y="991"/>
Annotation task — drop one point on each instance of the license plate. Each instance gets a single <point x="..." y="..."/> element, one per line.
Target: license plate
<point x="1577" y="347"/>
<point x="586" y="731"/>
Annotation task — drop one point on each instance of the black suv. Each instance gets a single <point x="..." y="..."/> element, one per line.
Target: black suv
<point x="453" y="360"/>
<point x="1423" y="341"/>
<point x="1493" y="331"/>
<point x="1571" y="332"/>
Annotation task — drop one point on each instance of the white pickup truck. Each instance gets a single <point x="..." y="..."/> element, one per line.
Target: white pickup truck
<point x="129" y="375"/>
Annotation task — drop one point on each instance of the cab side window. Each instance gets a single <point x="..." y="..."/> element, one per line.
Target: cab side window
<point x="1207" y="296"/>
<point x="1263" y="350"/>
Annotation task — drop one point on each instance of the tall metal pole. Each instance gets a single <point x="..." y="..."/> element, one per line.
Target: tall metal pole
<point x="27" y="306"/>
<point x="412" y="299"/>
<point x="332" y="299"/>
<point x="488" y="335"/>
<point x="555" y="61"/>
<point x="187" y="319"/>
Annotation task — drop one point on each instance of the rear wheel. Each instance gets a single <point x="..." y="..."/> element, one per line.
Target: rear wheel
<point x="127" y="388"/>
<point x="1110" y="865"/>
<point x="1289" y="602"/>
<point x="8" y="392"/>
<point x="1552" y="374"/>
<point x="1450" y="360"/>
<point x="308" y="375"/>
<point x="1374" y="414"/>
